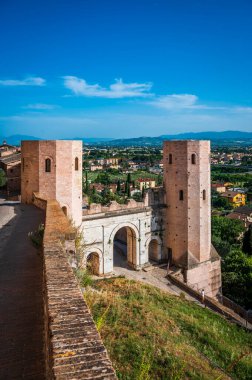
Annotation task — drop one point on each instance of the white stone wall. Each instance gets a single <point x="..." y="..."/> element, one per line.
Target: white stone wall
<point x="99" y="231"/>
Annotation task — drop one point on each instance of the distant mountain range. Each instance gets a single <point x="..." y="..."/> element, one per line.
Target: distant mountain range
<point x="226" y="136"/>
<point x="16" y="139"/>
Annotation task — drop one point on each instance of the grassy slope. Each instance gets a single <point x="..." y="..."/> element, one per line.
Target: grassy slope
<point x="152" y="335"/>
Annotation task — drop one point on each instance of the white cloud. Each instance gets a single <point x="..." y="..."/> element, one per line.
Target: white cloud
<point x="117" y="90"/>
<point x="182" y="102"/>
<point x="242" y="109"/>
<point x="175" y="101"/>
<point x="40" y="106"/>
<point x="29" y="81"/>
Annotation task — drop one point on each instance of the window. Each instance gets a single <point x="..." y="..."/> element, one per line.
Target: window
<point x="48" y="165"/>
<point x="170" y="158"/>
<point x="193" y="158"/>
<point x="76" y="163"/>
<point x="23" y="163"/>
<point x="204" y="195"/>
<point x="181" y="195"/>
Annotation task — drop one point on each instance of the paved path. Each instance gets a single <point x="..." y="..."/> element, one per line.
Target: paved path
<point x="156" y="277"/>
<point x="21" y="303"/>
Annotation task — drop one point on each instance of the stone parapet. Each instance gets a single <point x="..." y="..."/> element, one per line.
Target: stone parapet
<point x="74" y="349"/>
<point x="96" y="208"/>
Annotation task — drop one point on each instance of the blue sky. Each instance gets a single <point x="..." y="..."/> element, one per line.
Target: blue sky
<point x="124" y="68"/>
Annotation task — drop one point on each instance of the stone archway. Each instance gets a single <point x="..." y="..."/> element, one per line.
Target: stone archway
<point x="125" y="246"/>
<point x="153" y="245"/>
<point x="93" y="263"/>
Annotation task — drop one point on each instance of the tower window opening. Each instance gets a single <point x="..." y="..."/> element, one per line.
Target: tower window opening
<point x="193" y="159"/>
<point x="204" y="195"/>
<point x="170" y="158"/>
<point x="181" y="195"/>
<point x="76" y="163"/>
<point x="48" y="165"/>
<point x="23" y="164"/>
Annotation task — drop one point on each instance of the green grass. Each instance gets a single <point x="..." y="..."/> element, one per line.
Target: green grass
<point x="152" y="335"/>
<point x="122" y="176"/>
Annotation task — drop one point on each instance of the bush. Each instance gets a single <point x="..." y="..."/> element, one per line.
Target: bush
<point x="84" y="277"/>
<point x="37" y="236"/>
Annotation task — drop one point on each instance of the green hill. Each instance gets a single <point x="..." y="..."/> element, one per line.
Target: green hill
<point x="151" y="335"/>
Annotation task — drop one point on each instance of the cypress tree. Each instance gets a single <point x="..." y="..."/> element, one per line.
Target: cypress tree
<point x="247" y="241"/>
<point x="129" y="178"/>
<point x="128" y="190"/>
<point x="118" y="188"/>
<point x="86" y="183"/>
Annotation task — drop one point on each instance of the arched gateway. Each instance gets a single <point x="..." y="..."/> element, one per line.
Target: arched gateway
<point x="120" y="237"/>
<point x="125" y="247"/>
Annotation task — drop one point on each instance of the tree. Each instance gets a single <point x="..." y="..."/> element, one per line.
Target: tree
<point x="126" y="187"/>
<point x="220" y="202"/>
<point x="3" y="179"/>
<point x="159" y="180"/>
<point x="118" y="187"/>
<point x="137" y="196"/>
<point x="129" y="178"/>
<point x="128" y="190"/>
<point x="228" y="230"/>
<point x="237" y="278"/>
<point x="247" y="241"/>
<point x="86" y="191"/>
<point x="103" y="178"/>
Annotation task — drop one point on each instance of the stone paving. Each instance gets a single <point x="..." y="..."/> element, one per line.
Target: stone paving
<point x="21" y="295"/>
<point x="155" y="277"/>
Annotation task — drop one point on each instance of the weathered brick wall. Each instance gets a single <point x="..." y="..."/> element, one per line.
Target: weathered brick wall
<point x="74" y="349"/>
<point x="29" y="170"/>
<point x="188" y="219"/>
<point x="63" y="182"/>
<point x="39" y="201"/>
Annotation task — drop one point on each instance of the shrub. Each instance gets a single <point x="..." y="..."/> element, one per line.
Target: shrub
<point x="37" y="236"/>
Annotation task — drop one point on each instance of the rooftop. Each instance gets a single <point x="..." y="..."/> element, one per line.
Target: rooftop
<point x="11" y="158"/>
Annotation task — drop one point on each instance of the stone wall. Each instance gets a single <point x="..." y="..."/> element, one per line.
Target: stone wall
<point x="74" y="349"/>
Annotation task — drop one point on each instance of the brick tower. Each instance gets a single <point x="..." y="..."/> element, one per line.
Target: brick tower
<point x="53" y="168"/>
<point x="188" y="216"/>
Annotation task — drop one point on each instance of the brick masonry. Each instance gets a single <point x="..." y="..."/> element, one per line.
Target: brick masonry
<point x="188" y="213"/>
<point x="74" y="349"/>
<point x="64" y="180"/>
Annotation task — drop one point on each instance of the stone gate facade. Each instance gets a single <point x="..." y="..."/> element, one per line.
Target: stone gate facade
<point x="143" y="222"/>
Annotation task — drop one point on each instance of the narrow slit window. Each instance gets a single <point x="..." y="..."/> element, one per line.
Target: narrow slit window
<point x="193" y="159"/>
<point x="181" y="195"/>
<point x="76" y="163"/>
<point x="170" y="158"/>
<point x="23" y="164"/>
<point x="204" y="195"/>
<point x="48" y="165"/>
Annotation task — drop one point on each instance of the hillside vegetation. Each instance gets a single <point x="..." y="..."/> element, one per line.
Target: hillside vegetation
<point x="151" y="335"/>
